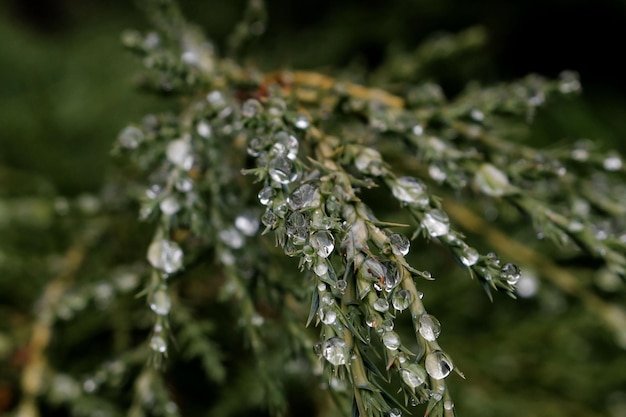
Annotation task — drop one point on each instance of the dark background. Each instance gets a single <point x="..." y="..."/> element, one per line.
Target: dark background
<point x="67" y="84"/>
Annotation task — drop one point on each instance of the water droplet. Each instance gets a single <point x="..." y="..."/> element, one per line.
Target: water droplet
<point x="413" y="375"/>
<point x="528" y="285"/>
<point x="321" y="287"/>
<point x="216" y="99"/>
<point x="165" y="255"/>
<point x="288" y="143"/>
<point x="90" y="385"/>
<point x="429" y="327"/>
<point x="436" y="222"/>
<point x="327" y="299"/>
<point x="160" y="302"/>
<point x="491" y="181"/>
<point x="327" y="314"/>
<point x="204" y="129"/>
<point x="381" y="305"/>
<point x="265" y="195"/>
<point x="251" y="108"/>
<point x="468" y="255"/>
<point x="391" y="340"/>
<point x="400" y="244"/>
<point x="437" y="173"/>
<point x="304" y="196"/>
<point x="269" y="219"/>
<point x="369" y="161"/>
<point x="401" y="300"/>
<point x="575" y="226"/>
<point x="511" y="273"/>
<point x="320" y="269"/>
<point x="394" y="412"/>
<point x="438" y="365"/>
<point x="477" y="115"/>
<point x="282" y="170"/>
<point x="324" y="242"/>
<point x="418" y="130"/>
<point x="157" y="343"/>
<point x="169" y="206"/>
<point x="179" y="153"/>
<point x="580" y="153"/>
<point x="410" y="190"/>
<point x="247" y="223"/>
<point x="372" y="270"/>
<point x="569" y="82"/>
<point x="297" y="227"/>
<point x="231" y="237"/>
<point x="334" y="351"/>
<point x="371" y="321"/>
<point x="387" y="325"/>
<point x="448" y="405"/>
<point x="612" y="163"/>
<point x="392" y="277"/>
<point x="302" y="122"/>
<point x="130" y="137"/>
<point x="341" y="285"/>
<point x="184" y="185"/>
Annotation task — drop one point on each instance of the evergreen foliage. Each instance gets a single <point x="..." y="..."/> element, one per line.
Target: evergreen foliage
<point x="305" y="239"/>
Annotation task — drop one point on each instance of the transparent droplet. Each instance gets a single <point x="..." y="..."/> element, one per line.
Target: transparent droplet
<point x="438" y="365"/>
<point x="369" y="161"/>
<point x="327" y="299"/>
<point x="255" y="146"/>
<point x="324" y="242"/>
<point x="372" y="270"/>
<point x="341" y="285"/>
<point x="165" y="255"/>
<point x="418" y="130"/>
<point x="180" y="154"/>
<point x="289" y="143"/>
<point x="334" y="351"/>
<point x="327" y="314"/>
<point x="468" y="256"/>
<point x="231" y="237"/>
<point x="400" y="244"/>
<point x="216" y="99"/>
<point x="401" y="300"/>
<point x="371" y="321"/>
<point x="160" y="302"/>
<point x="413" y="375"/>
<point x="304" y="196"/>
<point x="90" y="385"/>
<point x="282" y="170"/>
<point x="429" y="327"/>
<point x="251" y="108"/>
<point x="448" y="405"/>
<point x="247" y="223"/>
<point x="569" y="82"/>
<point x="391" y="340"/>
<point x="477" y="115"/>
<point x="269" y="219"/>
<point x="130" y="137"/>
<point x="302" y="122"/>
<point x="204" y="129"/>
<point x="511" y="273"/>
<point x="169" y="205"/>
<point x="381" y="305"/>
<point x="320" y="269"/>
<point x="64" y="388"/>
<point x="528" y="285"/>
<point x="321" y="287"/>
<point x="392" y="277"/>
<point x="491" y="181"/>
<point x="157" y="343"/>
<point x="297" y="226"/>
<point x="437" y="173"/>
<point x="265" y="195"/>
<point x="612" y="163"/>
<point x="436" y="222"/>
<point x="410" y="190"/>
<point x="184" y="185"/>
<point x="394" y="412"/>
<point x="387" y="325"/>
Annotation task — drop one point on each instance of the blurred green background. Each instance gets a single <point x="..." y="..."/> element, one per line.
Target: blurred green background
<point x="66" y="89"/>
